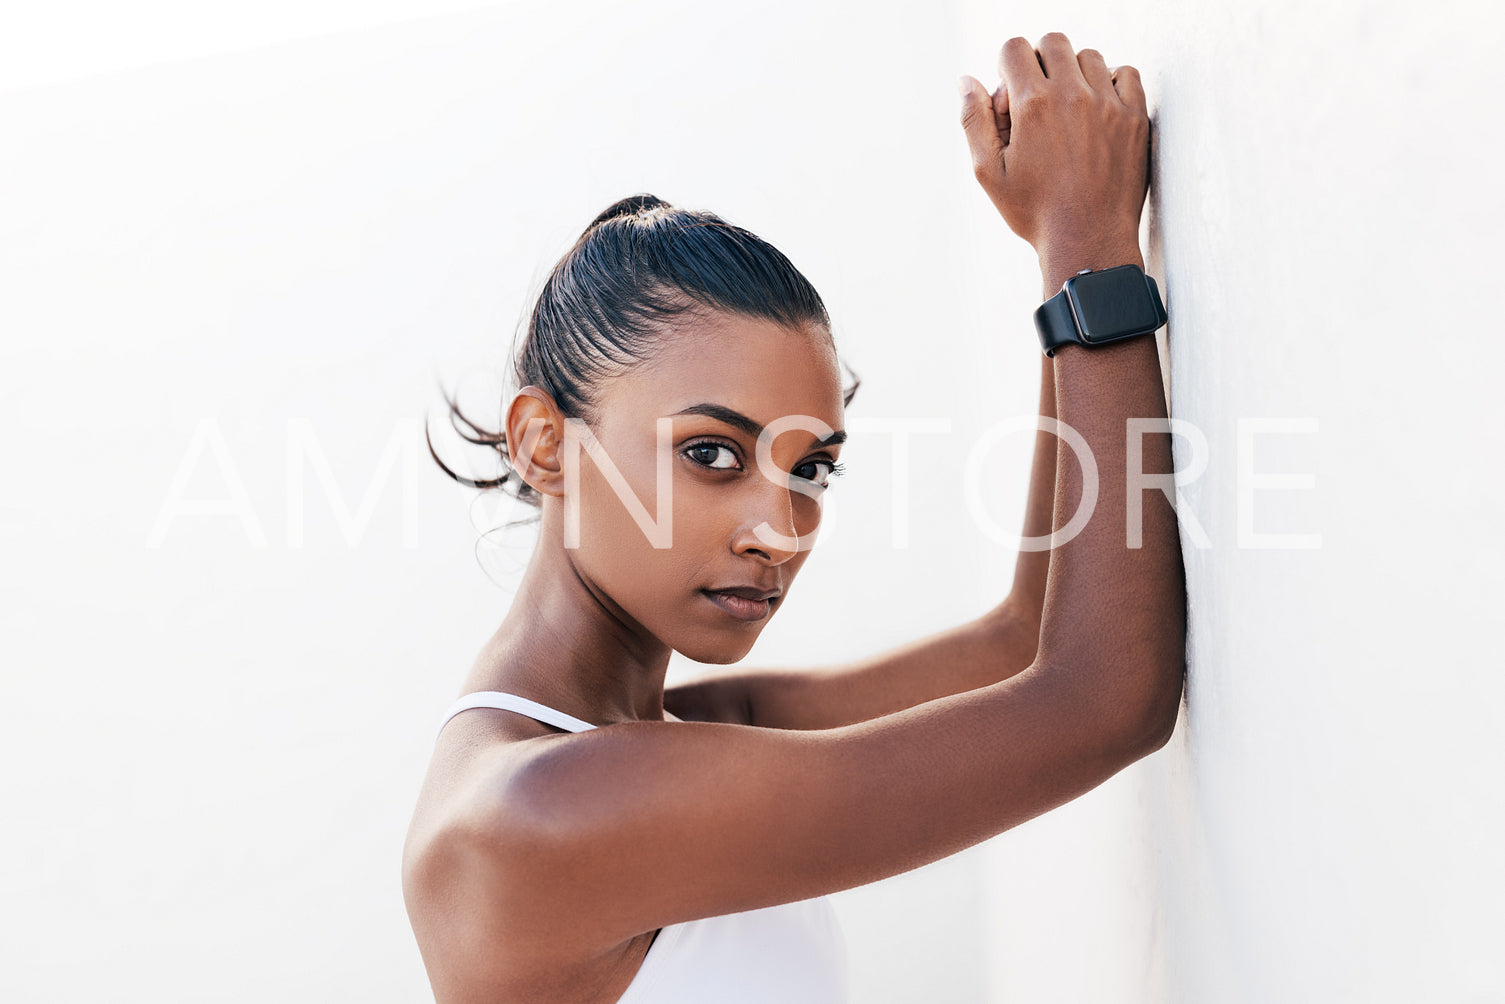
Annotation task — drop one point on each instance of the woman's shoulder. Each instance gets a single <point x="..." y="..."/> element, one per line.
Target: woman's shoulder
<point x="480" y="777"/>
<point x="463" y="873"/>
<point x="477" y="763"/>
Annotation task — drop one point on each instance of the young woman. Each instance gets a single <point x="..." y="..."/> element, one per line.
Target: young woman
<point x="584" y="835"/>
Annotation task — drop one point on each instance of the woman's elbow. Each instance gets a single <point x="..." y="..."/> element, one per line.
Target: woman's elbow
<point x="1163" y="709"/>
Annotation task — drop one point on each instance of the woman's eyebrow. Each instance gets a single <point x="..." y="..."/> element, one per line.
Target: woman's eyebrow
<point x="736" y="419"/>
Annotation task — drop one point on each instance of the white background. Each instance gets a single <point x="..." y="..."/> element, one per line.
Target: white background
<point x="240" y="251"/>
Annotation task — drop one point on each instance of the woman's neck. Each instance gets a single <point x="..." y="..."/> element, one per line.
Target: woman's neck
<point x="567" y="646"/>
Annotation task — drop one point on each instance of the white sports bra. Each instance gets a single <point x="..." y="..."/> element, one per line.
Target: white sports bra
<point x="792" y="953"/>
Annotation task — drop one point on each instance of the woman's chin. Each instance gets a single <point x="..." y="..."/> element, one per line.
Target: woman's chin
<point x="717" y="652"/>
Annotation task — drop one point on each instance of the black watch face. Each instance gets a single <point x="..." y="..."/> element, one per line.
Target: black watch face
<point x="1112" y="303"/>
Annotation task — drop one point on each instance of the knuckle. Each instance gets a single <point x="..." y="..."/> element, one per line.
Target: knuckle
<point x="1028" y="101"/>
<point x="1090" y="54"/>
<point x="1053" y="36"/>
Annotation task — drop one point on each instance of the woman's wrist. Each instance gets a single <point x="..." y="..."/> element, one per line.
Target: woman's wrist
<point x="1060" y="261"/>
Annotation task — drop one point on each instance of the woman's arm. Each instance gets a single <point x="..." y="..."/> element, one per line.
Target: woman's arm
<point x="980" y="652"/>
<point x="1031" y="568"/>
<point x="578" y="842"/>
<point x="1070" y="193"/>
<point x="990" y="648"/>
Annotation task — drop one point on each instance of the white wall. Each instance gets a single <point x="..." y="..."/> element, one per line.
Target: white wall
<point x="1325" y="825"/>
<point x="214" y="732"/>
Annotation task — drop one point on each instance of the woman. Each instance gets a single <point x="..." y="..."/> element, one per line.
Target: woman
<point x="584" y="835"/>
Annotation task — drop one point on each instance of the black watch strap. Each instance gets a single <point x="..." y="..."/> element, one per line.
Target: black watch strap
<point x="1056" y="325"/>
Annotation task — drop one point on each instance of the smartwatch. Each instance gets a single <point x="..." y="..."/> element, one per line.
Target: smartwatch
<point x="1097" y="307"/>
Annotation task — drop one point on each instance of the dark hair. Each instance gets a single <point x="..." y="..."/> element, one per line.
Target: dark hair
<point x="639" y="264"/>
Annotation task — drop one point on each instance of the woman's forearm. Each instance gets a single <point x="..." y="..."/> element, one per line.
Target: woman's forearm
<point x="1031" y="568"/>
<point x="1114" y="615"/>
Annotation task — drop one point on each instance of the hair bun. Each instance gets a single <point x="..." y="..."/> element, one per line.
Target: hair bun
<point x="630" y="206"/>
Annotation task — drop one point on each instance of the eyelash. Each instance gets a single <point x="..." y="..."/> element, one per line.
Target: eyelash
<point x="837" y="469"/>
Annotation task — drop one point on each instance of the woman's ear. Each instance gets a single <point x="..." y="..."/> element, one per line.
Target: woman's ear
<point x="535" y="433"/>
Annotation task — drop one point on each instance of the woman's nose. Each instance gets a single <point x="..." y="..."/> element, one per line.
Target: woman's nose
<point x="772" y="529"/>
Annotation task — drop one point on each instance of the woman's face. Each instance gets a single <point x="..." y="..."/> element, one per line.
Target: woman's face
<point x="729" y="366"/>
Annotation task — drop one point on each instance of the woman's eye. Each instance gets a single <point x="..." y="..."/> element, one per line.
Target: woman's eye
<point x="831" y="468"/>
<point x="713" y="455"/>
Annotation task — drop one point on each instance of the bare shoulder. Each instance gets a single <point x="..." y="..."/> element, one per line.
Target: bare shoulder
<point x="559" y="855"/>
<point x="482" y="827"/>
<point x="464" y="883"/>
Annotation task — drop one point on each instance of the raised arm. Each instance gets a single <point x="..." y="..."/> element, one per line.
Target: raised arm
<point x="1031" y="568"/>
<point x="584" y="840"/>
<point x="1105" y="602"/>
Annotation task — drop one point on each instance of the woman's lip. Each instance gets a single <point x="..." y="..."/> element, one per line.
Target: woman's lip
<point x="743" y="610"/>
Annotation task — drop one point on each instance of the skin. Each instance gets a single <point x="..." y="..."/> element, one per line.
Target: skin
<point x="540" y="864"/>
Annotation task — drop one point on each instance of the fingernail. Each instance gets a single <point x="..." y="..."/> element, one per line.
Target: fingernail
<point x="964" y="86"/>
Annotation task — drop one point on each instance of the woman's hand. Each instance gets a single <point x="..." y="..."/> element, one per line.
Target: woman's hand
<point x="1062" y="149"/>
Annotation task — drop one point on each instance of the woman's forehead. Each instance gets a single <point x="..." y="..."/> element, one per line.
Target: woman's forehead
<point x="755" y="368"/>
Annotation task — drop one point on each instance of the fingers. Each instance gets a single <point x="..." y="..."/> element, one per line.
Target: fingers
<point x="1058" y="57"/>
<point x="1129" y="88"/>
<point x="1001" y="113"/>
<point x="1096" y="71"/>
<point x="1082" y="150"/>
<point x="1020" y="69"/>
<point x="981" y="126"/>
<point x="1054" y="60"/>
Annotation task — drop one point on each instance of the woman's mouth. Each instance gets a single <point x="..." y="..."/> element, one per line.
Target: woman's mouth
<point x="737" y="606"/>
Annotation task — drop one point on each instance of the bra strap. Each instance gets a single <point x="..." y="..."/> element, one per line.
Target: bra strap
<point x="511" y="702"/>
